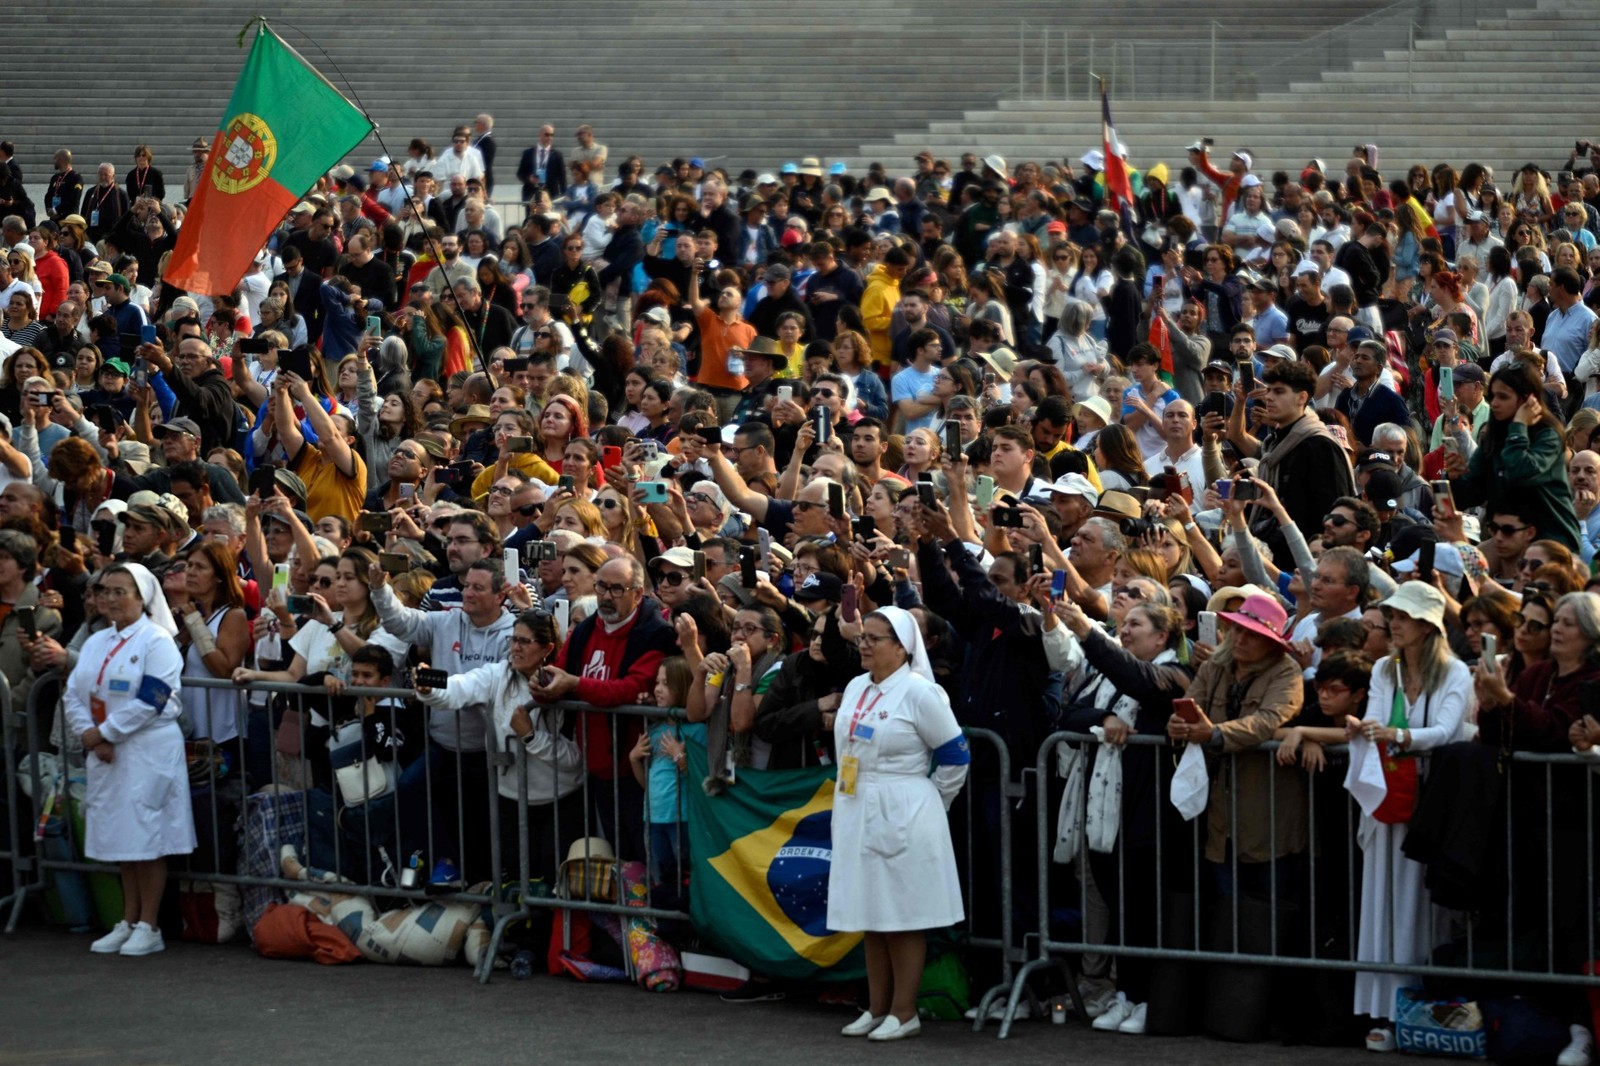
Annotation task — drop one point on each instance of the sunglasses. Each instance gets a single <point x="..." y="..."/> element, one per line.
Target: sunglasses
<point x="1133" y="592"/>
<point x="826" y="394"/>
<point x="1506" y="530"/>
<point x="674" y="578"/>
<point x="1337" y="520"/>
<point x="1524" y="622"/>
<point x="322" y="582"/>
<point x="501" y="490"/>
<point x="610" y="503"/>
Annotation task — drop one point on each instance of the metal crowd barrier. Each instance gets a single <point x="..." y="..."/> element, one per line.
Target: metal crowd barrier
<point x="14" y="852"/>
<point x="1482" y="962"/>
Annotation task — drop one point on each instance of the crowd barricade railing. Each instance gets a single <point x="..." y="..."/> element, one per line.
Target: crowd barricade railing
<point x="1549" y="906"/>
<point x="15" y="854"/>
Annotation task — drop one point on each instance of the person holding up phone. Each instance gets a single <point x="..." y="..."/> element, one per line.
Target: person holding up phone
<point x="1127" y="684"/>
<point x="19" y="564"/>
<point x="333" y="470"/>
<point x="1243" y="693"/>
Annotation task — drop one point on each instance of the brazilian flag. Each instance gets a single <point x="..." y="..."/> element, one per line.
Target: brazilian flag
<point x="761" y="851"/>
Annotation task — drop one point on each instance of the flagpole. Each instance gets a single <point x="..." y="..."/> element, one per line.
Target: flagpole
<point x="377" y="132"/>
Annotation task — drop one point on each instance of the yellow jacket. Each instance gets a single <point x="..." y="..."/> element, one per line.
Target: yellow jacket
<point x="877" y="310"/>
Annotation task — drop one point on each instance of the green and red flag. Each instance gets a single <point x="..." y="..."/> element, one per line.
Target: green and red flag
<point x="284" y="128"/>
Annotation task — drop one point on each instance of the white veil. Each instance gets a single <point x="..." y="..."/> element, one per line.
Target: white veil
<point x="909" y="634"/>
<point x="155" y="601"/>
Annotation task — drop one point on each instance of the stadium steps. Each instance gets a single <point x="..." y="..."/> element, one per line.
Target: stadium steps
<point x="744" y="83"/>
<point x="1471" y="97"/>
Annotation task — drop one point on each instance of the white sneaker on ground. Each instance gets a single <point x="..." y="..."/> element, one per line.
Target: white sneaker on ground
<point x="1579" y="1052"/>
<point x="892" y="1028"/>
<point x="1114" y="1016"/>
<point x="1134" y="1022"/>
<point x="112" y="942"/>
<point x="145" y="940"/>
<point x="863" y="1025"/>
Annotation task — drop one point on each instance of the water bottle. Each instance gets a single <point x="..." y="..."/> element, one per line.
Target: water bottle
<point x="735" y="363"/>
<point x="522" y="965"/>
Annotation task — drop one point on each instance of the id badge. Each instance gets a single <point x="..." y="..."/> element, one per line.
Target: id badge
<point x="97" y="710"/>
<point x="849" y="766"/>
<point x="862" y="732"/>
<point x="94" y="217"/>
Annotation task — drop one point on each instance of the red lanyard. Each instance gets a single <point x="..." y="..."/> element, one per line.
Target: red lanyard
<point x="860" y="713"/>
<point x="101" y="675"/>
<point x="142" y="176"/>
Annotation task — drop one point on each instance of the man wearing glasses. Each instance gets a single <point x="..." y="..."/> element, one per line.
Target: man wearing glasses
<point x="1512" y="533"/>
<point x="609" y="659"/>
<point x="461" y="160"/>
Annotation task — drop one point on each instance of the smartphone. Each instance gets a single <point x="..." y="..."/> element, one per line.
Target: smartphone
<point x="985" y="492"/>
<point x="514" y="366"/>
<point x="610" y="456"/>
<point x="952" y="438"/>
<point x="849" y="603"/>
<point x="785" y="393"/>
<point x="1425" y="555"/>
<point x="1206" y="628"/>
<point x="1247" y="374"/>
<point x="763" y="542"/>
<point x="297" y="361"/>
<point x="69" y="539"/>
<point x="747" y="567"/>
<point x="711" y="435"/>
<point x="375" y="325"/>
<point x="26" y="617"/>
<point x="147" y="333"/>
<point x="900" y="559"/>
<point x="865" y="527"/>
<point x="1058" y="585"/>
<point x="539" y="551"/>
<point x="105" y="537"/>
<point x="408" y="493"/>
<point x="280" y="576"/>
<point x="424" y="678"/>
<point x="649" y="449"/>
<point x="519" y="444"/>
<point x="1187" y="709"/>
<point x="394" y="562"/>
<point x="300" y="605"/>
<point x="1447" y="383"/>
<point x="653" y="492"/>
<point x="698" y="568"/>
<point x="141" y="373"/>
<point x="1491" y="645"/>
<point x="511" y="559"/>
<point x="1451" y="444"/>
<point x="824" y="424"/>
<point x="836" y="500"/>
<point x="1008" y="518"/>
<point x="1157" y="283"/>
<point x="564" y="483"/>
<point x="926" y="495"/>
<point x="1245" y="489"/>
<point x="252" y="346"/>
<point x="562" y="609"/>
<point x="375" y="521"/>
<point x="1035" y="559"/>
<point x="1444" y="498"/>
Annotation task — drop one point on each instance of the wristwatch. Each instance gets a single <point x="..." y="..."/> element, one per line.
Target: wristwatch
<point x="741" y="686"/>
<point x="333" y="629"/>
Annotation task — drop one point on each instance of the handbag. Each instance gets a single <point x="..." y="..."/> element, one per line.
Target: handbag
<point x="359" y="779"/>
<point x="1400" y="772"/>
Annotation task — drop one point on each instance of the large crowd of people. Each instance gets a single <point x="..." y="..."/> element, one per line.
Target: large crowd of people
<point x="1294" y="459"/>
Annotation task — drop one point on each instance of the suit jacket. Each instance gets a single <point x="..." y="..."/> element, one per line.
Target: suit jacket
<point x="555" y="173"/>
<point x="486" y="146"/>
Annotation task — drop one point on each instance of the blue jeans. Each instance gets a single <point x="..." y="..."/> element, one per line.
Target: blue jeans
<point x="337" y="836"/>
<point x="459" y="801"/>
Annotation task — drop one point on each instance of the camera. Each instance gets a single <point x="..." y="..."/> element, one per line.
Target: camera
<point x="1133" y="528"/>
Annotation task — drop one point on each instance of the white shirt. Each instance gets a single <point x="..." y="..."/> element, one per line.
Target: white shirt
<point x="469" y="164"/>
<point x="1333" y="277"/>
<point x="1190" y="462"/>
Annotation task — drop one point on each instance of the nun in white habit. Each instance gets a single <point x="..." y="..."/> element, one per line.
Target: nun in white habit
<point x="893" y="873"/>
<point x="122" y="700"/>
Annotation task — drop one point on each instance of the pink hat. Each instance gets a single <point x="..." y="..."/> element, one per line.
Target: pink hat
<point x="1261" y="614"/>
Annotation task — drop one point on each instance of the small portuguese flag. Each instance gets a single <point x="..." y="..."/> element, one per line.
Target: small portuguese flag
<point x="284" y="128"/>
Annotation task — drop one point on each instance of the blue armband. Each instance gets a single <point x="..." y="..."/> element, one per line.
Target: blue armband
<point x="156" y="692"/>
<point x="953" y="752"/>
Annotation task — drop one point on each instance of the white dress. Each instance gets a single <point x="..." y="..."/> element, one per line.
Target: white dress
<point x="137" y="806"/>
<point x="214" y="713"/>
<point x="894" y="866"/>
<point x="1396" y="916"/>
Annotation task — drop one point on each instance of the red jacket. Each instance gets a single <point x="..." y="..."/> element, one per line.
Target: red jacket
<point x="53" y="275"/>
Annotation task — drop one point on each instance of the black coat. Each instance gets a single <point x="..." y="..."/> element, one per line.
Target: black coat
<point x="555" y="173"/>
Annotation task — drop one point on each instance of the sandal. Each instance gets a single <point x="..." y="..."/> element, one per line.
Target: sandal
<point x="1380" y="1038"/>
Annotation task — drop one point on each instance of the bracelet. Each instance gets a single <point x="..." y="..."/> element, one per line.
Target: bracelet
<point x="333" y="630"/>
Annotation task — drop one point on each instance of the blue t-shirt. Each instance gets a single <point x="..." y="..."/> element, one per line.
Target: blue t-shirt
<point x="910" y="383"/>
<point x="662" y="806"/>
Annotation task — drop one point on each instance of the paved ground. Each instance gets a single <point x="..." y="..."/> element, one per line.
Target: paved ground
<point x="59" y="1004"/>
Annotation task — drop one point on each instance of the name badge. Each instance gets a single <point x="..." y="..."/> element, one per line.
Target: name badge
<point x="120" y="686"/>
<point x="849" y="767"/>
<point x="863" y="732"/>
<point x="94" y="217"/>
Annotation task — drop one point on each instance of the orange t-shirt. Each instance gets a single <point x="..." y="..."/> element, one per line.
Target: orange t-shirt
<point x="716" y="338"/>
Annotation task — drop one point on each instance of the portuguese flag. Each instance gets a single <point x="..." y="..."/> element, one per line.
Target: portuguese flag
<point x="284" y="128"/>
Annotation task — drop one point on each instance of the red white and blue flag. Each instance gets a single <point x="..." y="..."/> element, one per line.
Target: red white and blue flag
<point x="1119" y="190"/>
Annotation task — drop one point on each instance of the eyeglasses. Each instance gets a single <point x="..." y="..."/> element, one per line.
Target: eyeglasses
<point x="543" y="333"/>
<point x="1532" y="626"/>
<point x="461" y="542"/>
<point x="700" y="497"/>
<point x="1529" y="564"/>
<point x="740" y="629"/>
<point x="523" y="642"/>
<point x="501" y="490"/>
<point x="1337" y="520"/>
<point x="805" y="505"/>
<point x="873" y="638"/>
<point x="1507" y="530"/>
<point x="825" y="394"/>
<point x="114" y="592"/>
<point x="1133" y="592"/>
<point x="606" y="588"/>
<point x="322" y="582"/>
<point x="1375" y="627"/>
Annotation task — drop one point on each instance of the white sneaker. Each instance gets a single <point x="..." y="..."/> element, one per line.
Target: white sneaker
<point x="145" y="940"/>
<point x="997" y="1010"/>
<point x="892" y="1028"/>
<point x="112" y="942"/>
<point x="1134" y="1022"/>
<point x="863" y="1025"/>
<point x="1113" y="1017"/>
<point x="1578" y="1052"/>
<point x="1098" y="1002"/>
